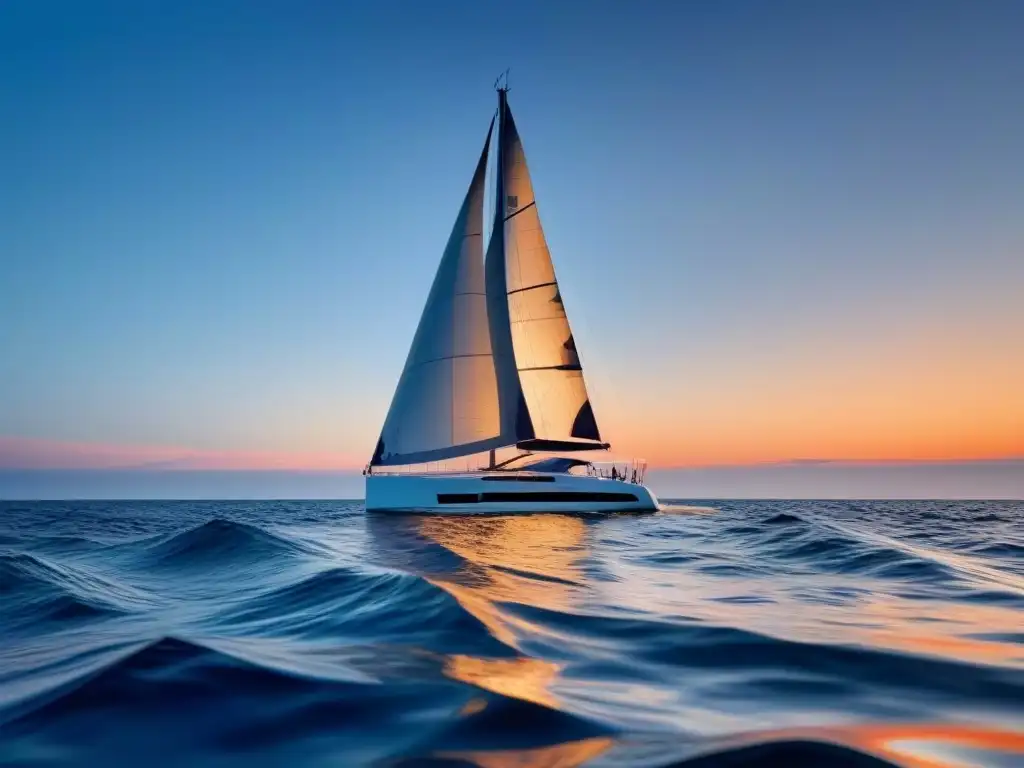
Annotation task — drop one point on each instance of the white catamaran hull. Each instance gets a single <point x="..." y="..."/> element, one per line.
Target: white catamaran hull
<point x="504" y="493"/>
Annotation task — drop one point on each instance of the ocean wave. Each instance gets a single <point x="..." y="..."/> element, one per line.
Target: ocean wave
<point x="689" y="645"/>
<point x="61" y="544"/>
<point x="216" y="543"/>
<point x="36" y="590"/>
<point x="783" y="518"/>
<point x="247" y="704"/>
<point x="348" y="603"/>
<point x="1001" y="550"/>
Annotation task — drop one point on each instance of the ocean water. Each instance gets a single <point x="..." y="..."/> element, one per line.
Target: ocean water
<point x="309" y="633"/>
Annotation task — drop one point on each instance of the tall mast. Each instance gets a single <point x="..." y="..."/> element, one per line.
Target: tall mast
<point x="515" y="415"/>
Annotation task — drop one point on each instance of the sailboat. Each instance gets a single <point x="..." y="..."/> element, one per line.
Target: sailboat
<point x="494" y="367"/>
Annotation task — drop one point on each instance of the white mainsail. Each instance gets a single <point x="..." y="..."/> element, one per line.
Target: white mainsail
<point x="544" y="399"/>
<point x="446" y="402"/>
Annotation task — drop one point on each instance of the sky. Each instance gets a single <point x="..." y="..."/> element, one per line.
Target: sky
<point x="783" y="232"/>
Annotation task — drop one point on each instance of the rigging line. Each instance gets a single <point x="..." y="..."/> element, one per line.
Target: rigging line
<point x="552" y="368"/>
<point x="524" y="208"/>
<point x="497" y="154"/>
<point x="531" y="287"/>
<point x="446" y="357"/>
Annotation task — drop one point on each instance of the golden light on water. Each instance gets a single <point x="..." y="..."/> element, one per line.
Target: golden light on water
<point x="914" y="745"/>
<point x="565" y="755"/>
<point x="528" y="559"/>
<point x="521" y="678"/>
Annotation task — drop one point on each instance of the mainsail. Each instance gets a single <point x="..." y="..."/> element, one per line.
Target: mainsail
<point x="446" y="402"/>
<point x="544" y="400"/>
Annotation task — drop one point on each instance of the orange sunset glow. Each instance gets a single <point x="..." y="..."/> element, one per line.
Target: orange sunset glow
<point x="958" y="406"/>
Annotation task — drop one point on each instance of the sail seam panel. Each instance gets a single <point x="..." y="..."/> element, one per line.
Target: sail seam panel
<point x="539" y="320"/>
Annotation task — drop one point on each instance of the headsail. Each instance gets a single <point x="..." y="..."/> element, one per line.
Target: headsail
<point x="544" y="400"/>
<point x="446" y="403"/>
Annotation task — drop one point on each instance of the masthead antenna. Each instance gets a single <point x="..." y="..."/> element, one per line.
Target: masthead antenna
<point x="502" y="77"/>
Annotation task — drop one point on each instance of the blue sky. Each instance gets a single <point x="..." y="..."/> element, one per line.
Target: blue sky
<point x="219" y="220"/>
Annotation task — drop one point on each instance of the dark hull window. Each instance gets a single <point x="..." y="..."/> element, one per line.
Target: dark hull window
<point x="511" y="497"/>
<point x="518" y="479"/>
<point x="458" y="498"/>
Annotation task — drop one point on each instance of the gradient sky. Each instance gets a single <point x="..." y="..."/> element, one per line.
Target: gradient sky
<point x="782" y="230"/>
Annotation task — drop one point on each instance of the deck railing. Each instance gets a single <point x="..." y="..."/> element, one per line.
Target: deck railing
<point x="432" y="468"/>
<point x="631" y="471"/>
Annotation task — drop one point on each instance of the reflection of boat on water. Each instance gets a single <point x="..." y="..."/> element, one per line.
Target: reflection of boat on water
<point x="531" y="559"/>
<point x="494" y="367"/>
<point x="488" y="565"/>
